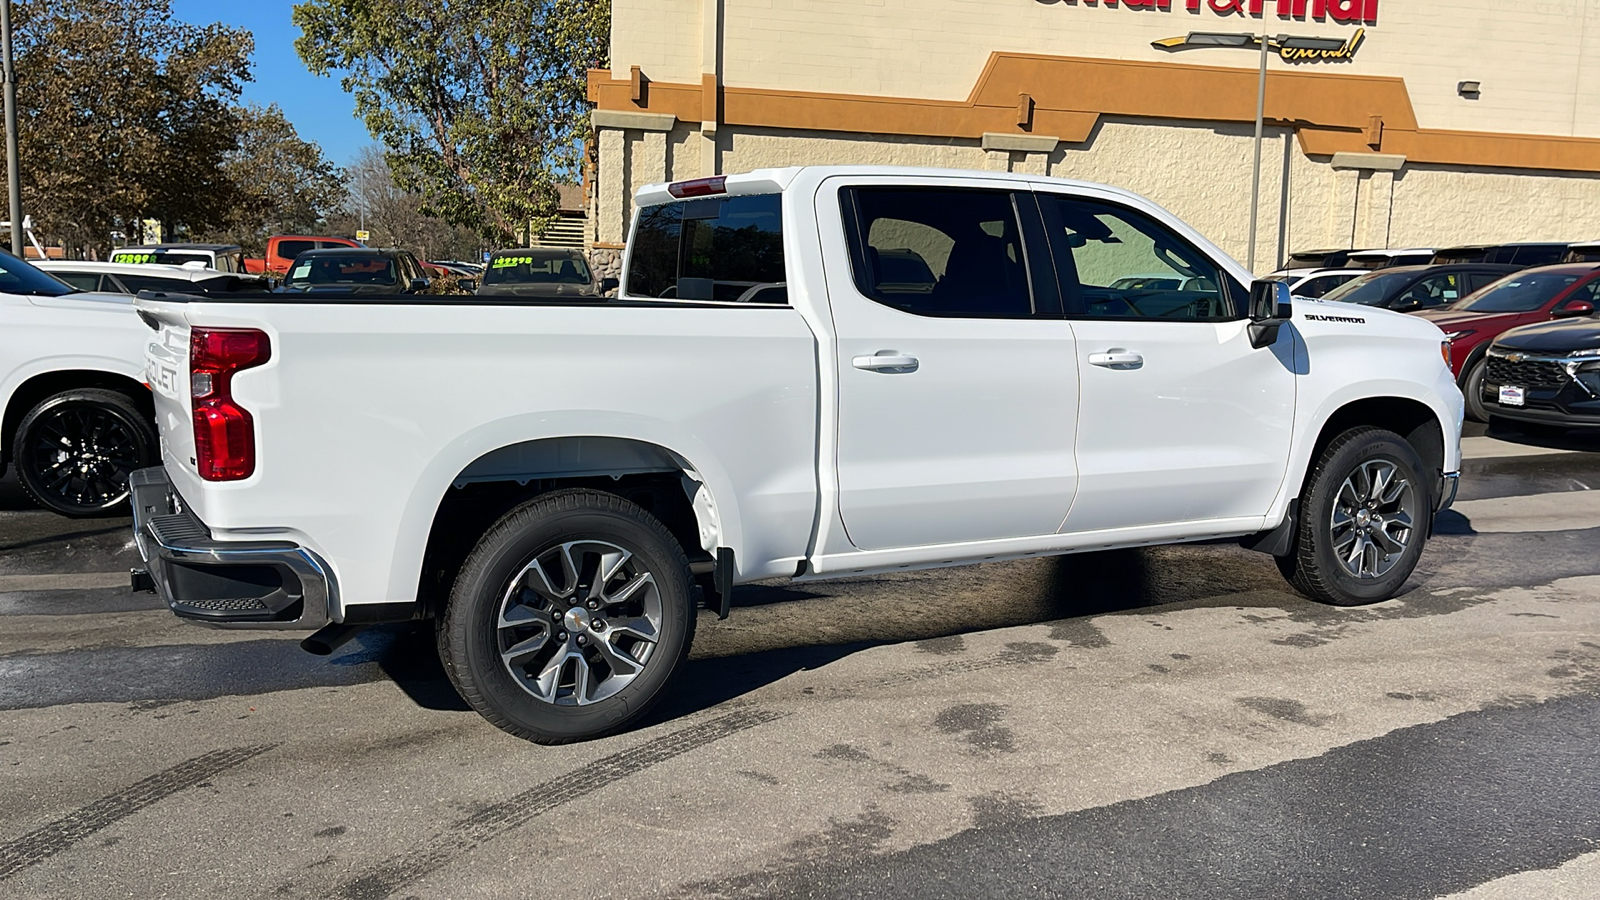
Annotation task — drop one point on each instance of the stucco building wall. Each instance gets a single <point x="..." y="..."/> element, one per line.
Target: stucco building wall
<point x="733" y="85"/>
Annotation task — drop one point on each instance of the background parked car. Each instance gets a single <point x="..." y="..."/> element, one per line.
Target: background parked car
<point x="1388" y="259"/>
<point x="222" y="257"/>
<point x="77" y="416"/>
<point x="131" y="278"/>
<point x="1521" y="254"/>
<point x="1545" y="377"/>
<point x="1314" y="283"/>
<point x="1588" y="251"/>
<point x="358" y="270"/>
<point x="541" y="272"/>
<point x="282" y="249"/>
<point x="1522" y="298"/>
<point x="1316" y="259"/>
<point x="1409" y="288"/>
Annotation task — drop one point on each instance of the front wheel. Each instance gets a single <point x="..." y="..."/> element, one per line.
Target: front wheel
<point x="570" y="618"/>
<point x="1472" y="391"/>
<point x="75" y="450"/>
<point x="1364" y="517"/>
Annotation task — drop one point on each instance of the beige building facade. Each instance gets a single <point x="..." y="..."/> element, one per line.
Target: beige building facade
<point x="1422" y="122"/>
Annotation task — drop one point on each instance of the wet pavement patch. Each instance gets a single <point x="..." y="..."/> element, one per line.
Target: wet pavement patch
<point x="1418" y="813"/>
<point x="979" y="724"/>
<point x="1285" y="710"/>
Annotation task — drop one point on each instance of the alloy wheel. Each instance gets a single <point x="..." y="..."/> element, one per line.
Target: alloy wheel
<point x="579" y="622"/>
<point x="83" y="456"/>
<point x="1373" y="519"/>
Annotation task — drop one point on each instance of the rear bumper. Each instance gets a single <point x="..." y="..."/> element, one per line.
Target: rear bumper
<point x="228" y="584"/>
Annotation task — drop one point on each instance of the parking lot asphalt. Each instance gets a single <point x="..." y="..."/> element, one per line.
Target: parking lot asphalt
<point x="1170" y="722"/>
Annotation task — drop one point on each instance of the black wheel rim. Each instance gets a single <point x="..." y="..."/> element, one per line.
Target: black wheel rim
<point x="82" y="456"/>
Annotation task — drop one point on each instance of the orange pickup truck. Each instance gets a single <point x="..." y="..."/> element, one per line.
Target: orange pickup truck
<point x="283" y="248"/>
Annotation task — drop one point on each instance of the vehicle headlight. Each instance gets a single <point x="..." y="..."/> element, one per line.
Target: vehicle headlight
<point x="1456" y="335"/>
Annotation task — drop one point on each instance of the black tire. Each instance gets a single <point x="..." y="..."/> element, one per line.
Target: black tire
<point x="474" y="631"/>
<point x="74" y="451"/>
<point x="1472" y="390"/>
<point x="1313" y="566"/>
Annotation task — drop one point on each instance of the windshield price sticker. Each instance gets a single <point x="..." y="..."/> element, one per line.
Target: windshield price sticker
<point x="137" y="258"/>
<point x="1512" y="396"/>
<point x="302" y="271"/>
<point x="506" y="262"/>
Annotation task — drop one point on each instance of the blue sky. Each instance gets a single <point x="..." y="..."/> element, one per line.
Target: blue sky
<point x="320" y="111"/>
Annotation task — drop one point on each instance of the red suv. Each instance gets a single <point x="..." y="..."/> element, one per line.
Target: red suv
<point x="1522" y="298"/>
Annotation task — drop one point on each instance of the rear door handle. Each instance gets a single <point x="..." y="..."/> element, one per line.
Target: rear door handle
<point x="885" y="359"/>
<point x="1116" y="358"/>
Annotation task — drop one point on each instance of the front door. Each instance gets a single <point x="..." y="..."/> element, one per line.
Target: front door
<point x="957" y="381"/>
<point x="1180" y="419"/>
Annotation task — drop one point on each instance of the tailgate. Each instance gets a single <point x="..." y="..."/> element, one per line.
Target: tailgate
<point x="166" y="364"/>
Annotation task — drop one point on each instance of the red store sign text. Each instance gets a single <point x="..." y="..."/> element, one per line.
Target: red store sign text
<point x="1350" y="12"/>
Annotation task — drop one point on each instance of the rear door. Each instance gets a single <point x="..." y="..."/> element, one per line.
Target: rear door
<point x="1180" y="419"/>
<point x="957" y="386"/>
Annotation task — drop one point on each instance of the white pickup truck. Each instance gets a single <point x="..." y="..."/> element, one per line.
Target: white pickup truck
<point x="809" y="373"/>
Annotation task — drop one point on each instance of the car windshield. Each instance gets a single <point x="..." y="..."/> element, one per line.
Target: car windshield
<point x="18" y="277"/>
<point x="342" y="270"/>
<point x="162" y="257"/>
<point x="1369" y="290"/>
<point x="537" y="268"/>
<point x="1522" y="292"/>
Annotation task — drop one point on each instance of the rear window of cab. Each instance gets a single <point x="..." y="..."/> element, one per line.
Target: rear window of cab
<point x="727" y="249"/>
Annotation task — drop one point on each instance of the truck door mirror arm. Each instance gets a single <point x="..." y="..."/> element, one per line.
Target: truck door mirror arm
<point x="1270" y="307"/>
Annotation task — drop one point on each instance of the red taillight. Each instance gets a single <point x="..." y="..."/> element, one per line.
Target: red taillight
<point x="224" y="432"/>
<point x="700" y="187"/>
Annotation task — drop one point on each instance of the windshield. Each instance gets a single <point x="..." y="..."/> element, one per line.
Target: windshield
<point x="1522" y="292"/>
<point x="18" y="277"/>
<point x="1369" y="290"/>
<point x="163" y="257"/>
<point x="537" y="268"/>
<point x="342" y="270"/>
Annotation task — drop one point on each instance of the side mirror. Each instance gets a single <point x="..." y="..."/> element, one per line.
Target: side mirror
<point x="1270" y="300"/>
<point x="418" y="285"/>
<point x="607" y="285"/>
<point x="1270" y="306"/>
<point x="1573" y="309"/>
<point x="469" y="285"/>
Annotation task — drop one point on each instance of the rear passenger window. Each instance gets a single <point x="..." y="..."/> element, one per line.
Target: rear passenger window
<point x="709" y="248"/>
<point x="1128" y="266"/>
<point x="938" y="252"/>
<point x="290" y="249"/>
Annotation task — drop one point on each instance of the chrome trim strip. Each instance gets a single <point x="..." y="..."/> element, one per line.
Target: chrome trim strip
<point x="1448" y="495"/>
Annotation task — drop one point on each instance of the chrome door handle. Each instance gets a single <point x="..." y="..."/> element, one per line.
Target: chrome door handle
<point x="1116" y="358"/>
<point x="885" y="359"/>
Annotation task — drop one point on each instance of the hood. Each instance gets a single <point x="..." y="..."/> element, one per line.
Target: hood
<point x="1450" y="320"/>
<point x="1558" y="337"/>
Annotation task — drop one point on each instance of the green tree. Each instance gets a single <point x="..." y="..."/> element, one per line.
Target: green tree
<point x="282" y="183"/>
<point x="392" y="215"/>
<point x="480" y="104"/>
<point x="124" y="114"/>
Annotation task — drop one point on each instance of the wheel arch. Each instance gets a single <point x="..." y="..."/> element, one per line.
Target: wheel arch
<point x="1415" y="421"/>
<point x="686" y="498"/>
<point x="36" y="388"/>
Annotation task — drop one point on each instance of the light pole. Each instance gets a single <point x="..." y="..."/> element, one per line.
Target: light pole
<point x="1246" y="39"/>
<point x="13" y="164"/>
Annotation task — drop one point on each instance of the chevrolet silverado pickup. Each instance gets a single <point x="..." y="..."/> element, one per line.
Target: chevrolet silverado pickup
<point x="808" y="373"/>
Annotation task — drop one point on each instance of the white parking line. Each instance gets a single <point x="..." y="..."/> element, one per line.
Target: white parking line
<point x="69" y="581"/>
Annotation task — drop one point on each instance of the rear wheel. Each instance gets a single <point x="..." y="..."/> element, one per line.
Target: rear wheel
<point x="1364" y="517"/>
<point x="570" y="618"/>
<point x="74" y="451"/>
